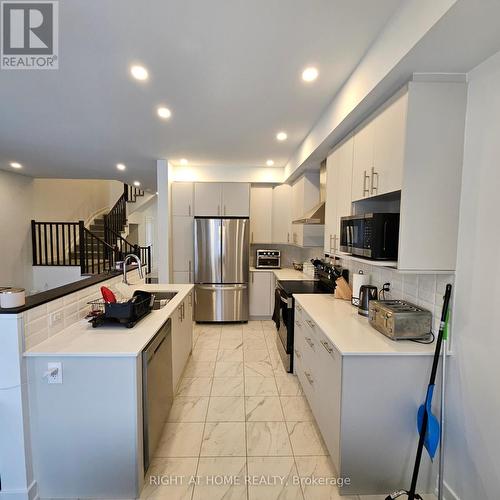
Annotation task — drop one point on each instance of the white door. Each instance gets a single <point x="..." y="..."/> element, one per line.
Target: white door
<point x="389" y="147"/>
<point x="332" y="171"/>
<point x="344" y="188"/>
<point x="261" y="298"/>
<point x="235" y="199"/>
<point x="207" y="199"/>
<point x="282" y="214"/>
<point x="362" y="161"/>
<point x="182" y="198"/>
<point x="261" y="208"/>
<point x="182" y="245"/>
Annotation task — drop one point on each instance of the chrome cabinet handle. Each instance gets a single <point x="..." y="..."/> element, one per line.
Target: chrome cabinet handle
<point x="373" y="187"/>
<point x="189" y="272"/>
<point x="288" y="237"/>
<point x="297" y="353"/>
<point x="309" y="341"/>
<point x="224" y="209"/>
<point x="309" y="378"/>
<point x="218" y="209"/>
<point x="365" y="189"/>
<point x="189" y="209"/>
<point x="325" y="344"/>
<point x="310" y="323"/>
<point x="252" y="237"/>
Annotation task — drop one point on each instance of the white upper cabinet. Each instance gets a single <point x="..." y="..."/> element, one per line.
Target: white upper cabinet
<point x="362" y="161"/>
<point x="261" y="208"/>
<point x="235" y="199"/>
<point x="207" y="199"/>
<point x="389" y="147"/>
<point x="282" y="214"/>
<point x="215" y="199"/>
<point x="182" y="198"/>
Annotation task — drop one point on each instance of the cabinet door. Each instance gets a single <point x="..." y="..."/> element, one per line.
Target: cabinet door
<point x="181" y="277"/>
<point x="261" y="207"/>
<point x="389" y="147"/>
<point x="282" y="214"/>
<point x="182" y="198"/>
<point x="344" y="188"/>
<point x="182" y="244"/>
<point x="236" y="199"/>
<point x="332" y="194"/>
<point x="261" y="299"/>
<point x="298" y="199"/>
<point x="187" y="328"/>
<point x="208" y="199"/>
<point x="362" y="161"/>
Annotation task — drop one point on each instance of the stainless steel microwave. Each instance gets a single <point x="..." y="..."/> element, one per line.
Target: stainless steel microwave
<point x="373" y="236"/>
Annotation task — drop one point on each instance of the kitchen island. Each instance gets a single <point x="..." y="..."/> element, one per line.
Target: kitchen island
<point x="87" y="432"/>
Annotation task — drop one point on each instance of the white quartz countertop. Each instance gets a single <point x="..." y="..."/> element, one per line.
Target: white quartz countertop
<point x="80" y="339"/>
<point x="285" y="274"/>
<point x="351" y="333"/>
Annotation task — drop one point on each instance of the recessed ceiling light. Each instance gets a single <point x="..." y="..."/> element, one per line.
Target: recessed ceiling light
<point x="183" y="161"/>
<point x="310" y="74"/>
<point x="164" y="113"/>
<point x="269" y="163"/>
<point x="120" y="166"/>
<point x="281" y="136"/>
<point x="137" y="183"/>
<point x="14" y="164"/>
<point x="156" y="193"/>
<point x="139" y="72"/>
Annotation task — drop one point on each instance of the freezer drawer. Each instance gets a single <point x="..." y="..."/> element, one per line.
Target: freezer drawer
<point x="221" y="302"/>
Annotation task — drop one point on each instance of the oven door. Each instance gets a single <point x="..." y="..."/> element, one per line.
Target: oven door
<point x="284" y="339"/>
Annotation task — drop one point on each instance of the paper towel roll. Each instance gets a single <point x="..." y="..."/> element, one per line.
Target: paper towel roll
<point x="358" y="280"/>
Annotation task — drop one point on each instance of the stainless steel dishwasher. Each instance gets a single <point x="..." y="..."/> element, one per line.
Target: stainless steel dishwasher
<point x="156" y="388"/>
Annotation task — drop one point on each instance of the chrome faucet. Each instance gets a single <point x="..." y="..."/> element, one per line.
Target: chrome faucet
<point x="139" y="263"/>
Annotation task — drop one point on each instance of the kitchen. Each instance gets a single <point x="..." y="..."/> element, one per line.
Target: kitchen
<point x="283" y="344"/>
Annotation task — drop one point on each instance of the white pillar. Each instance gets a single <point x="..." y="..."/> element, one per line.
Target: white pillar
<point x="163" y="254"/>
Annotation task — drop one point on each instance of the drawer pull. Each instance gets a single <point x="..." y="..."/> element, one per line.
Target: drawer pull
<point x="309" y="341"/>
<point x="325" y="344"/>
<point x="309" y="378"/>
<point x="297" y="323"/>
<point x="297" y="353"/>
<point x="298" y="308"/>
<point x="310" y="323"/>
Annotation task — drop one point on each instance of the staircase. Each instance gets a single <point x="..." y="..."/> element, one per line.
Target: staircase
<point x="95" y="249"/>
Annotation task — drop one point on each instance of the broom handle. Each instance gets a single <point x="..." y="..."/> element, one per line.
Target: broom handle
<point x="423" y="431"/>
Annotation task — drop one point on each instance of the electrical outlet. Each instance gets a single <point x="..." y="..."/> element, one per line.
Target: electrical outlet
<point x="54" y="371"/>
<point x="56" y="317"/>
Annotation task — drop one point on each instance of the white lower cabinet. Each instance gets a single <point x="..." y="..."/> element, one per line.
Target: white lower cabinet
<point x="261" y="294"/>
<point x="182" y="338"/>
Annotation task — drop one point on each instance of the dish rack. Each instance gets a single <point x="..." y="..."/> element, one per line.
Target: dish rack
<point x="126" y="313"/>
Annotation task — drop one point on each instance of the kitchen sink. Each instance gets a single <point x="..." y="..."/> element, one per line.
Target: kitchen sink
<point x="162" y="299"/>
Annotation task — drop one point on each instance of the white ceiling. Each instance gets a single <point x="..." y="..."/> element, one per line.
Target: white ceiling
<point x="228" y="69"/>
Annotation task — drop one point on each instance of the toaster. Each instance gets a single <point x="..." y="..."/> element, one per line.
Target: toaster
<point x="399" y="320"/>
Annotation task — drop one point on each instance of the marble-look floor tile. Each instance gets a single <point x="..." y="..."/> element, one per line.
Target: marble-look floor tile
<point x="258" y="369"/>
<point x="260" y="386"/>
<point x="212" y="471"/>
<point x="268" y="325"/>
<point x="254" y="344"/>
<point x="267" y="439"/>
<point x="252" y="355"/>
<point x="230" y="343"/>
<point x="306" y="439"/>
<point x="198" y="386"/>
<point x="263" y="409"/>
<point x="199" y="354"/>
<point x="210" y="342"/>
<point x="189" y="409"/>
<point x="228" y="369"/>
<point x="228" y="386"/>
<point x="274" y="479"/>
<point x="226" y="409"/>
<point x="199" y="369"/>
<point x="252" y="325"/>
<point x="230" y="355"/>
<point x="296" y="409"/>
<point x="319" y="479"/>
<point x="157" y="484"/>
<point x="180" y="440"/>
<point x="288" y="385"/>
<point x="223" y="439"/>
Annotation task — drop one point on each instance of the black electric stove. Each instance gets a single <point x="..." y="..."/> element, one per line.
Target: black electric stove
<point x="285" y="305"/>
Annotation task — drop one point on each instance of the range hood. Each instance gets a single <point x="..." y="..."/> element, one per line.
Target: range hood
<point x="316" y="215"/>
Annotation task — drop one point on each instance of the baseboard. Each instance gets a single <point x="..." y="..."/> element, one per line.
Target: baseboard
<point x="448" y="493"/>
<point x="31" y="493"/>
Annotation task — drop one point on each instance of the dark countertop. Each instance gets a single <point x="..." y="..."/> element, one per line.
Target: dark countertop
<point x="55" y="293"/>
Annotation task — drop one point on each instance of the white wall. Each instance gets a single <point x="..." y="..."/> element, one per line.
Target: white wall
<point x="48" y="277"/>
<point x="16" y="195"/>
<point x="473" y="402"/>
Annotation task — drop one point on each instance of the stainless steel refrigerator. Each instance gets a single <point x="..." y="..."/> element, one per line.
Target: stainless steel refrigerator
<point x="221" y="268"/>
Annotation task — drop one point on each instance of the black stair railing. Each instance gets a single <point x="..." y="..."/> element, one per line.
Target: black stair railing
<point x="124" y="247"/>
<point x="116" y="219"/>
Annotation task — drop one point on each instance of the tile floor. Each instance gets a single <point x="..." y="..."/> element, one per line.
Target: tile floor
<point x="238" y="414"/>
